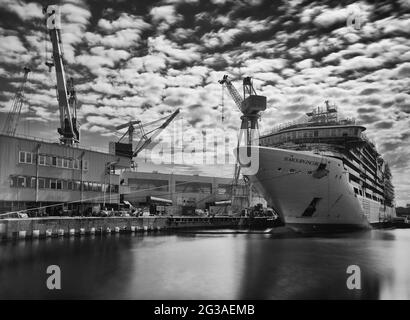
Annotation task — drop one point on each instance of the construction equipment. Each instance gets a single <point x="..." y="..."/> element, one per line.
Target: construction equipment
<point x="250" y="106"/>
<point x="69" y="133"/>
<point x="145" y="138"/>
<point x="13" y="117"/>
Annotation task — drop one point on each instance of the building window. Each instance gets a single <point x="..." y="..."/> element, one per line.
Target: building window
<point x="76" y="164"/>
<point x="54" y="161"/>
<point x="59" y="185"/>
<point x="193" y="187"/>
<point x="42" y="160"/>
<point x="65" y="163"/>
<point x="21" y="182"/>
<point x="41" y="183"/>
<point x="70" y="185"/>
<point x="25" y="157"/>
<point x="13" y="181"/>
<point x="22" y="157"/>
<point x="59" y="162"/>
<point x="33" y="182"/>
<point x="53" y="184"/>
<point x="85" y="165"/>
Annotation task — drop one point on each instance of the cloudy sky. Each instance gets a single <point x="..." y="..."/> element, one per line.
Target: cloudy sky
<point x="143" y="59"/>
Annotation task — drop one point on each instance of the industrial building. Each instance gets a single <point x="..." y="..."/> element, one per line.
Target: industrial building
<point x="37" y="173"/>
<point x="182" y="193"/>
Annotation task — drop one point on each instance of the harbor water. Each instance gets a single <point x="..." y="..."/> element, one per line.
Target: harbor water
<point x="217" y="264"/>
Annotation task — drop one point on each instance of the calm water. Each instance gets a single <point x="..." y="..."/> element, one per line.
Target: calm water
<point x="210" y="266"/>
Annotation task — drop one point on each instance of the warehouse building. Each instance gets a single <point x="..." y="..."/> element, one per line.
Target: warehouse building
<point x="37" y="173"/>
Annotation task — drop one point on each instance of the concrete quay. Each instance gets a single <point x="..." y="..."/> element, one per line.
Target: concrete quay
<point x="31" y="228"/>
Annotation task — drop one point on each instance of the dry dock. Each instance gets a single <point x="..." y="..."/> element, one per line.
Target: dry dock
<point x="27" y="228"/>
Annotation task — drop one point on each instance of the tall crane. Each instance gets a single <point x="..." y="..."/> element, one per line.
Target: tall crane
<point x="13" y="117"/>
<point x="68" y="130"/>
<point x="145" y="137"/>
<point x="250" y="106"/>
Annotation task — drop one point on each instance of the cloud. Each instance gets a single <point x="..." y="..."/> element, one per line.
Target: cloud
<point x="25" y="11"/>
<point x="124" y="21"/>
<point x="144" y="61"/>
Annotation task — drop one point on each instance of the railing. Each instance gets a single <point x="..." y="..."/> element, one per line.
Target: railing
<point x="307" y="123"/>
<point x="24" y="136"/>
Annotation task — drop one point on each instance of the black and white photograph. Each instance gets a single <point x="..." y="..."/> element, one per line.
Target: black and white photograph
<point x="231" y="151"/>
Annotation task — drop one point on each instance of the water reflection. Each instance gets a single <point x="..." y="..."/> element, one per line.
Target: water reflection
<point x="210" y="265"/>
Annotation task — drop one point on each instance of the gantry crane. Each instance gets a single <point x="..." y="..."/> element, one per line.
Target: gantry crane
<point x="66" y="97"/>
<point x="13" y="117"/>
<point x="250" y="106"/>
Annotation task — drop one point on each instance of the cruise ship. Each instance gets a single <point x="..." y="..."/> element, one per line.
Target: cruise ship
<point x="323" y="173"/>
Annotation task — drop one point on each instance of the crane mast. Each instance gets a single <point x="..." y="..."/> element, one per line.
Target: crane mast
<point x="250" y="106"/>
<point x="12" y="120"/>
<point x="68" y="123"/>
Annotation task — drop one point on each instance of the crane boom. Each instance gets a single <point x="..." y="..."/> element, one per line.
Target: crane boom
<point x="232" y="91"/>
<point x="12" y="120"/>
<point x="68" y="131"/>
<point x="145" y="141"/>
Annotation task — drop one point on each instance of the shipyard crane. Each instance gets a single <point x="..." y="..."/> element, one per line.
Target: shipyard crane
<point x="68" y="130"/>
<point x="13" y="117"/>
<point x="145" y="137"/>
<point x="250" y="106"/>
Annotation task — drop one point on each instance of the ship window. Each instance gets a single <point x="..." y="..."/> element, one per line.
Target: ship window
<point x="316" y="133"/>
<point x="291" y="170"/>
<point x="360" y="192"/>
<point x="356" y="190"/>
<point x="279" y="169"/>
<point x="309" y="172"/>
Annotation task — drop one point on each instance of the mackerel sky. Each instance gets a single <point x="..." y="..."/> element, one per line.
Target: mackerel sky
<point x="143" y="59"/>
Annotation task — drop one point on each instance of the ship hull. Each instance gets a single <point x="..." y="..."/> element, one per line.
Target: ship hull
<point x="312" y="193"/>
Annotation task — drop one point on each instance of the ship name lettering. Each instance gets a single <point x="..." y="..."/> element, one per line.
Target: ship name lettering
<point x="304" y="161"/>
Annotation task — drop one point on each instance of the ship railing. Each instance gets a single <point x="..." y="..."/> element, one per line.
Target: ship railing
<point x="305" y="121"/>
